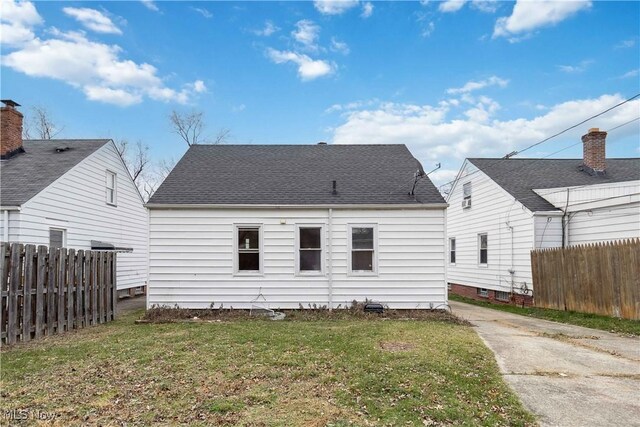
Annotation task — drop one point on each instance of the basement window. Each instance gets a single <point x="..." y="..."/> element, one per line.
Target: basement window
<point x="502" y="295"/>
<point x="249" y="249"/>
<point x="482" y="292"/>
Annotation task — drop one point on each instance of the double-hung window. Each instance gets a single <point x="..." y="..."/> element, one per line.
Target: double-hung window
<point x="112" y="180"/>
<point x="309" y="249"/>
<point x="452" y="250"/>
<point x="248" y="247"/>
<point x="363" y="249"/>
<point x="466" y="190"/>
<point x="483" y="251"/>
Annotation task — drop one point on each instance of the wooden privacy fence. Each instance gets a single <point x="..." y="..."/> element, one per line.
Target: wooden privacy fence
<point x="601" y="278"/>
<point x="47" y="291"/>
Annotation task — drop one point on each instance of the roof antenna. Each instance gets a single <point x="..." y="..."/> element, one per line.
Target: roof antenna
<point x="419" y="174"/>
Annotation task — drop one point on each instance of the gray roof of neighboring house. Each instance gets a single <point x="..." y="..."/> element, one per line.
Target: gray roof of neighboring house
<point x="24" y="175"/>
<point x="519" y="177"/>
<point x="295" y="175"/>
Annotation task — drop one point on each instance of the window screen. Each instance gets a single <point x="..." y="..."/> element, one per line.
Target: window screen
<point x="362" y="249"/>
<point x="310" y="249"/>
<point x="249" y="249"/>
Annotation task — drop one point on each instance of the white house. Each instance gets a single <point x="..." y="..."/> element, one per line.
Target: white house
<point x="289" y="226"/>
<point x="501" y="209"/>
<point x="74" y="194"/>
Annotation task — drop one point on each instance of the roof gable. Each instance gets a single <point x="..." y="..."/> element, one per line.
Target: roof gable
<point x="26" y="174"/>
<point x="519" y="177"/>
<point x="295" y="175"/>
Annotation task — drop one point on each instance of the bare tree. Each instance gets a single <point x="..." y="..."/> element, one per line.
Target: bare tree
<point x="40" y="125"/>
<point x="190" y="127"/>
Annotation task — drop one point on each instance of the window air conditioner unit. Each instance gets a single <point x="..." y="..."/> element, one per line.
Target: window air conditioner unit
<point x="466" y="203"/>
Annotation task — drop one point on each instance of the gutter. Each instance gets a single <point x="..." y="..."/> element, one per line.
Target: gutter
<point x="326" y="206"/>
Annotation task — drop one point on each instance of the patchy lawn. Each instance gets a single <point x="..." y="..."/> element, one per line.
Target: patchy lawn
<point x="595" y="321"/>
<point x="259" y="372"/>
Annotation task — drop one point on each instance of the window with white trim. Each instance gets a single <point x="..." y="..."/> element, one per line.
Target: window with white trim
<point x="248" y="249"/>
<point x="56" y="237"/>
<point x="483" y="249"/>
<point x="482" y="292"/>
<point x="112" y="181"/>
<point x="363" y="256"/>
<point x="466" y="190"/>
<point x="452" y="250"/>
<point x="502" y="295"/>
<point x="309" y="249"/>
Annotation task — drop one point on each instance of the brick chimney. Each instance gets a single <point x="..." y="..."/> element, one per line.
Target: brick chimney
<point x="593" y="150"/>
<point x="10" y="129"/>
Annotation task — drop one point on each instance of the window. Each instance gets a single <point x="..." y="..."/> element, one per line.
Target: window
<point x="363" y="249"/>
<point x="466" y="190"/>
<point x="502" y="296"/>
<point x="112" y="180"/>
<point x="56" y="238"/>
<point x="482" y="249"/>
<point x="249" y="249"/>
<point x="310" y="249"/>
<point x="482" y="292"/>
<point x="452" y="250"/>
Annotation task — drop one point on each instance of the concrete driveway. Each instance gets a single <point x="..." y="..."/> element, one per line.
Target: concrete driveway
<point x="566" y="375"/>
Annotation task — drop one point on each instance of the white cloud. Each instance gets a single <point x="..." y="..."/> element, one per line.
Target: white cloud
<point x="334" y="7"/>
<point x="428" y="29"/>
<point x="238" y="108"/>
<point x="625" y="44"/>
<point x="439" y="133"/>
<point x="151" y="5"/>
<point x="202" y="11"/>
<point x="93" y="19"/>
<point x="629" y="74"/>
<point x="268" y="29"/>
<point x="17" y="21"/>
<point x="95" y="68"/>
<point x="575" y="69"/>
<point x="306" y="33"/>
<point x="451" y="5"/>
<point x="477" y="85"/>
<point x="308" y="69"/>
<point x="367" y="9"/>
<point x="486" y="6"/>
<point x="338" y="46"/>
<point x="528" y="16"/>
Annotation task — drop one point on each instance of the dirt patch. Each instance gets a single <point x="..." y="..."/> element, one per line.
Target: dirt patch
<point x="396" y="346"/>
<point x="169" y="315"/>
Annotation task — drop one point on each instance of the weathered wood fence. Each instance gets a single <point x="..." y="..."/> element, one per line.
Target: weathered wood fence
<point x="601" y="278"/>
<point x="49" y="291"/>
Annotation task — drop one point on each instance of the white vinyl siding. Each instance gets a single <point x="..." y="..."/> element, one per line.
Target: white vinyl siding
<point x="548" y="231"/>
<point x="497" y="214"/>
<point x="192" y="250"/>
<point x="76" y="202"/>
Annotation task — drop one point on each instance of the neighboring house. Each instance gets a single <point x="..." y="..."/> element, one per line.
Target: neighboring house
<point x="501" y="209"/>
<point x="289" y="226"/>
<point x="71" y="193"/>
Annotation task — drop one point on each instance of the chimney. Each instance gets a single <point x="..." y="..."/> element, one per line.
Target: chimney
<point x="10" y="129"/>
<point x="593" y="150"/>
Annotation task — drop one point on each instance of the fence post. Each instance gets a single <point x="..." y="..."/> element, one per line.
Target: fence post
<point x="94" y="287"/>
<point x="114" y="283"/>
<point x="78" y="288"/>
<point x="62" y="279"/>
<point x="40" y="286"/>
<point x="71" y="276"/>
<point x="29" y="275"/>
<point x="86" y="285"/>
<point x="16" y="276"/>
<point x="4" y="289"/>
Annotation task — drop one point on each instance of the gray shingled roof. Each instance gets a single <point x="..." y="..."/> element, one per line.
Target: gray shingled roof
<point x="295" y="175"/>
<point x="519" y="177"/>
<point x="26" y="174"/>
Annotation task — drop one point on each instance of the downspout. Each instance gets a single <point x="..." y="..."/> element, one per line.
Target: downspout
<point x="330" y="259"/>
<point x="5" y="226"/>
<point x="565" y="223"/>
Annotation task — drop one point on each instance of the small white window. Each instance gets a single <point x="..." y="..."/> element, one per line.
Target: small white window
<point x="483" y="252"/>
<point x="248" y="249"/>
<point x="57" y="238"/>
<point x="452" y="250"/>
<point x="363" y="249"/>
<point x="112" y="181"/>
<point x="482" y="292"/>
<point x="466" y="190"/>
<point x="310" y="249"/>
<point x="502" y="296"/>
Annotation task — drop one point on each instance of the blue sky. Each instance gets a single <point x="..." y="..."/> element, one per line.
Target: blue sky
<point x="450" y="79"/>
